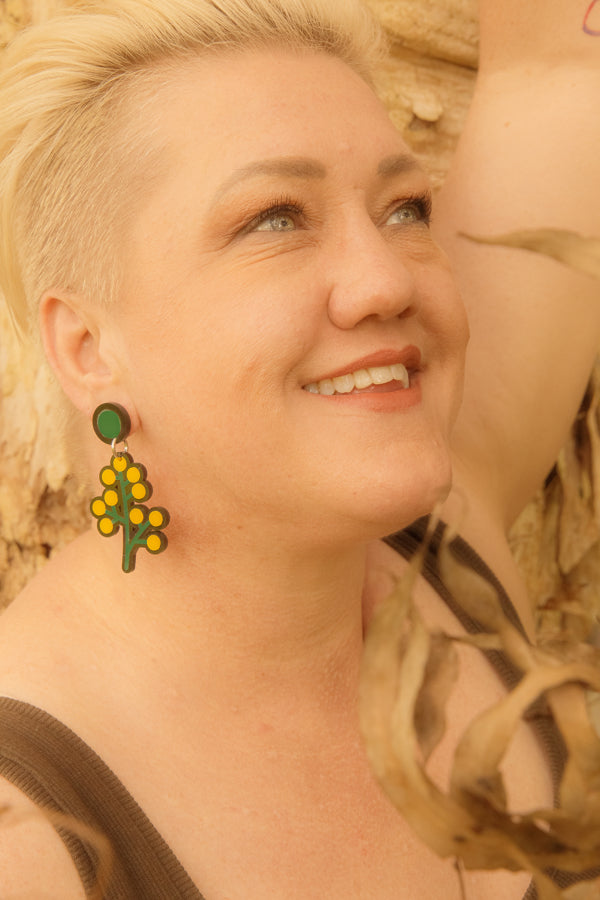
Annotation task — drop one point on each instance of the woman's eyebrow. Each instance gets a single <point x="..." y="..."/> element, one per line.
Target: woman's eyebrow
<point x="294" y="167"/>
<point x="399" y="164"/>
<point x="304" y="167"/>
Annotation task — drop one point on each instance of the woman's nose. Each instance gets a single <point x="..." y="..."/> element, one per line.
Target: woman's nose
<point x="372" y="278"/>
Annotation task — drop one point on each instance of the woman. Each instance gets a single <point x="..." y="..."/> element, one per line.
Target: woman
<point x="214" y="245"/>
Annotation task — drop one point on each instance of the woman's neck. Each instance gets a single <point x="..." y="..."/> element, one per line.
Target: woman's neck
<point x="249" y="621"/>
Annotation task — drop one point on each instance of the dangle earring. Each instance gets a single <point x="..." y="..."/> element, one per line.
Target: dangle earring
<point x="125" y="488"/>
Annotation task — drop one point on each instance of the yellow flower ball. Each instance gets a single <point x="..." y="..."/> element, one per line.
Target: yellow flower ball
<point x="106" y="526"/>
<point x="139" y="491"/>
<point x="136" y="516"/>
<point x="98" y="507"/>
<point x="156" y="518"/>
<point x="111" y="498"/>
<point x="154" y="543"/>
<point x="107" y="476"/>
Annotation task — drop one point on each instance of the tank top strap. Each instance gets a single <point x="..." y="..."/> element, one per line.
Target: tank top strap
<point x="58" y="771"/>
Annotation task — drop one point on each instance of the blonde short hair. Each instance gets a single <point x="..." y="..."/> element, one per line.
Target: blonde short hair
<point x="72" y="163"/>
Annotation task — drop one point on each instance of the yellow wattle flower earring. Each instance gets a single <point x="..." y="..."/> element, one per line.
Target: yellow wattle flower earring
<point x="121" y="505"/>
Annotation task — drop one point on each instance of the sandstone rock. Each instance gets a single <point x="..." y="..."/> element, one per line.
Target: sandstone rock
<point x="444" y="30"/>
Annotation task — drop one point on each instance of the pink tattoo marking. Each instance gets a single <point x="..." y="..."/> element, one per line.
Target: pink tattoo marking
<point x="586" y="27"/>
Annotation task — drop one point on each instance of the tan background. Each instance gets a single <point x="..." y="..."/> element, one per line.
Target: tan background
<point x="426" y="83"/>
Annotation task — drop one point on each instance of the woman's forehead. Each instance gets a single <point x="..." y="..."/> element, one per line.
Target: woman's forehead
<point x="232" y="110"/>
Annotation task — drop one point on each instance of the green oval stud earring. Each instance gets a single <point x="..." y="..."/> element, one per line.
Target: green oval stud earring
<point x="125" y="488"/>
<point x="111" y="423"/>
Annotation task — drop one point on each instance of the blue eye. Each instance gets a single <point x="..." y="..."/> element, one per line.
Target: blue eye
<point x="278" y="218"/>
<point x="279" y="221"/>
<point x="405" y="214"/>
<point x="416" y="209"/>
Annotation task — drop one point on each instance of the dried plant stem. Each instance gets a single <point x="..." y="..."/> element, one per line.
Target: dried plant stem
<point x="94" y="839"/>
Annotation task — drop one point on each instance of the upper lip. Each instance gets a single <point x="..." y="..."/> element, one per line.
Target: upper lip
<point x="409" y="357"/>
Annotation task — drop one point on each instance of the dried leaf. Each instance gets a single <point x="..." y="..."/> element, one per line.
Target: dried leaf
<point x="546" y="888"/>
<point x="575" y="250"/>
<point x="394" y="663"/>
<point x="97" y="842"/>
<point x="586" y="890"/>
<point x="572" y="841"/>
<point x="402" y="662"/>
<point x="481" y="602"/>
<point x="556" y="540"/>
<point x="441" y="672"/>
<point x="481" y="641"/>
<point x="580" y="786"/>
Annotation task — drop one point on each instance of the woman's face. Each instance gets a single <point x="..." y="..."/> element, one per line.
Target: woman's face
<point x="283" y="253"/>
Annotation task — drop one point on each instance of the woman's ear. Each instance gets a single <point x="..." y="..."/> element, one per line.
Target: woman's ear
<point x="72" y="342"/>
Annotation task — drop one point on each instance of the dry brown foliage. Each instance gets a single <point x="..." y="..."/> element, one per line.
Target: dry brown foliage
<point x="575" y="250"/>
<point x="94" y="840"/>
<point x="556" y="541"/>
<point x="408" y="675"/>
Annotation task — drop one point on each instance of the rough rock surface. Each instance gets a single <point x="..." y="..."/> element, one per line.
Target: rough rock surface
<point x="445" y="30"/>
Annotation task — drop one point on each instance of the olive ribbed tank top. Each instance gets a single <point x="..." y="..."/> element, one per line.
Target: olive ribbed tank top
<point x="58" y="771"/>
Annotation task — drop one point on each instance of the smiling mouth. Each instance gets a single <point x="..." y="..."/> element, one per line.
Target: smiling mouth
<point x="394" y="377"/>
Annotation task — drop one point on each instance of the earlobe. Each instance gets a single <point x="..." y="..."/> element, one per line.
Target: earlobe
<point x="72" y="346"/>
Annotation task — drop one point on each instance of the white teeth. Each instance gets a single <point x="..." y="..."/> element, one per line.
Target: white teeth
<point x="400" y="373"/>
<point x="381" y="375"/>
<point x="326" y="387"/>
<point x="361" y="379"/>
<point x="344" y="384"/>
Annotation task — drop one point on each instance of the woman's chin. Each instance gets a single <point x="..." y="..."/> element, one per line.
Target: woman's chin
<point x="382" y="514"/>
<point x="398" y="509"/>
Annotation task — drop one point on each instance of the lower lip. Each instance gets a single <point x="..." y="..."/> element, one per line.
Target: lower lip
<point x="390" y="397"/>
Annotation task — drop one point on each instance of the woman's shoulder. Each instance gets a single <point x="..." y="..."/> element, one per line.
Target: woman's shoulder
<point x="49" y="631"/>
<point x="42" y="634"/>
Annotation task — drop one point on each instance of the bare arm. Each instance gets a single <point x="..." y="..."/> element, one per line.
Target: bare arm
<point x="528" y="158"/>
